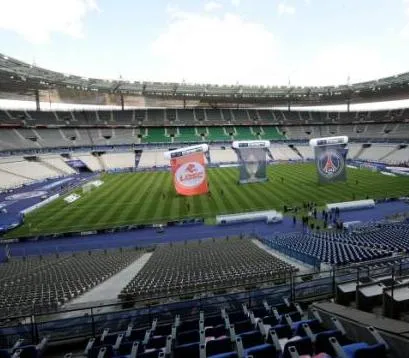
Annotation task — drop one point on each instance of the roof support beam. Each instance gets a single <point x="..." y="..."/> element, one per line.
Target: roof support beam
<point x="37" y="98"/>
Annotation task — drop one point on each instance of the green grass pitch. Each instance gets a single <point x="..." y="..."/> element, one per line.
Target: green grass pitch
<point x="132" y="198"/>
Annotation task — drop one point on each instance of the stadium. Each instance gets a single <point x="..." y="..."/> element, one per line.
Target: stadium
<point x="171" y="219"/>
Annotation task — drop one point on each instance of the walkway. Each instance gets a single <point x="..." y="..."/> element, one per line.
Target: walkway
<point x="304" y="268"/>
<point x="109" y="289"/>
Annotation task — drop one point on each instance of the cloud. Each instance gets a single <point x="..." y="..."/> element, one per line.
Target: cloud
<point x="205" y="48"/>
<point x="235" y="3"/>
<point x="37" y="20"/>
<point x="334" y="64"/>
<point x="209" y="48"/>
<point x="212" y="5"/>
<point x="284" y="9"/>
<point x="405" y="30"/>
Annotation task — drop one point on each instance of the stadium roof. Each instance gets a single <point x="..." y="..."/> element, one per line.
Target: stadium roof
<point x="20" y="77"/>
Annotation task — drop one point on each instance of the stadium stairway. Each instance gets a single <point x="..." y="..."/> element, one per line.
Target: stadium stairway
<point x="269" y="154"/>
<point x="383" y="158"/>
<point x="270" y="133"/>
<point x="109" y="289"/>
<point x="92" y="163"/>
<point x="295" y="149"/>
<point x="360" y="152"/>
<point x="101" y="161"/>
<point x="24" y="139"/>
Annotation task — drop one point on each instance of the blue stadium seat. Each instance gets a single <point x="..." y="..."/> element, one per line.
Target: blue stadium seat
<point x="215" y="320"/>
<point x="163" y="330"/>
<point x="251" y="339"/>
<point x="313" y="324"/>
<point x="302" y="345"/>
<point x="243" y="326"/>
<point x="187" y="350"/>
<point x="225" y="355"/>
<point x="218" y="346"/>
<point x="294" y="316"/>
<point x="188" y="337"/>
<point x="262" y="351"/>
<point x="156" y="342"/>
<point x="271" y="320"/>
<point x="358" y="350"/>
<point x="94" y="351"/>
<point x="237" y="316"/>
<point x="216" y="331"/>
<point x="188" y="326"/>
<point x="364" y="350"/>
<point x="137" y="335"/>
<point x="126" y="348"/>
<point x="283" y="331"/>
<point x="322" y="343"/>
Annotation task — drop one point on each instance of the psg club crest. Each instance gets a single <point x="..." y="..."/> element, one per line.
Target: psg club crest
<point x="331" y="164"/>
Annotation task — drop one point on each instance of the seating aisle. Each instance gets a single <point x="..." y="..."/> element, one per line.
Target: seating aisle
<point x="304" y="268"/>
<point x="109" y="289"/>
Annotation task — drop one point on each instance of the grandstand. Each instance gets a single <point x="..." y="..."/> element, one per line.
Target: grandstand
<point x="223" y="155"/>
<point x="194" y="289"/>
<point x="48" y="282"/>
<point x="205" y="265"/>
<point x="152" y="158"/>
<point x="327" y="250"/>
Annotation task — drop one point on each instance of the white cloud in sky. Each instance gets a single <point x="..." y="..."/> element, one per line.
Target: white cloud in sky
<point x="333" y="66"/>
<point x="235" y="3"/>
<point x="203" y="47"/>
<point x="212" y="5"/>
<point x="284" y="9"/>
<point x="37" y="20"/>
<point x="227" y="49"/>
<point x="405" y="29"/>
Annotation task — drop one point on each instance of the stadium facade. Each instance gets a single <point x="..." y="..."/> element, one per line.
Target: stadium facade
<point x="19" y="80"/>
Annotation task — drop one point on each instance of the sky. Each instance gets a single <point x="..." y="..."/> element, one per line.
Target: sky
<point x="253" y="42"/>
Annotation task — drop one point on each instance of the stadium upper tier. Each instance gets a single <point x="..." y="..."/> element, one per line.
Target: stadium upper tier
<point x="27" y="130"/>
<point x="19" y="77"/>
<point x="195" y="117"/>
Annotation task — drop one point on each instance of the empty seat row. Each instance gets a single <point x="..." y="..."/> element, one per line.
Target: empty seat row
<point x="240" y="333"/>
<point x="204" y="265"/>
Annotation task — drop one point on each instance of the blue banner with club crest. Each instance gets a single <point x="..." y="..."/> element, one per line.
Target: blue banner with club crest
<point x="331" y="162"/>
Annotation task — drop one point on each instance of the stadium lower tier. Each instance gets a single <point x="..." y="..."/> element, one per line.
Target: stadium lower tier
<point x="206" y="265"/>
<point x="260" y="321"/>
<point x="12" y="139"/>
<point x="263" y="332"/>
<point x="178" y="269"/>
<point x="282" y="330"/>
<point x="17" y="170"/>
<point x="46" y="283"/>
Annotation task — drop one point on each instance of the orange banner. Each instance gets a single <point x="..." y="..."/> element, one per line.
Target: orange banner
<point x="189" y="174"/>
